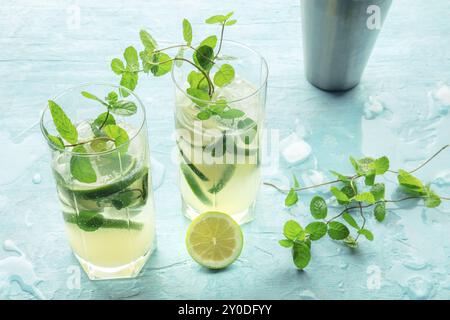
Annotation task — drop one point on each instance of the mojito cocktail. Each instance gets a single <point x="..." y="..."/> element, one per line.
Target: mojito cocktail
<point x="219" y="153"/>
<point x="103" y="178"/>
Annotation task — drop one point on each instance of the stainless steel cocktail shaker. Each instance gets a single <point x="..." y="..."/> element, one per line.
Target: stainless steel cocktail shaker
<point x="338" y="37"/>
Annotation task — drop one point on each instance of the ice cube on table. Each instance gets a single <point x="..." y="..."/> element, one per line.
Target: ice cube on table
<point x="294" y="149"/>
<point x="373" y="108"/>
<point x="442" y="94"/>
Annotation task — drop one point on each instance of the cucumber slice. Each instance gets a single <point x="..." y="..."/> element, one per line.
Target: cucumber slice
<point x="227" y="174"/>
<point x="108" y="189"/>
<point x="190" y="179"/>
<point x="194" y="169"/>
<point x="90" y="221"/>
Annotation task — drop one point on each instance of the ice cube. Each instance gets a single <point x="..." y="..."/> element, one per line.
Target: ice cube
<point x="442" y="94"/>
<point x="373" y="108"/>
<point x="294" y="149"/>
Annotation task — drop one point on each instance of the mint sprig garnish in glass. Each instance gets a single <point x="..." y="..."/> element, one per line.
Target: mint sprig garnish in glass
<point x="219" y="112"/>
<point x="100" y="160"/>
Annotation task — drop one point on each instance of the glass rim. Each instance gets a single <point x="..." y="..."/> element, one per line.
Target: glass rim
<point x="84" y="85"/>
<point x="256" y="91"/>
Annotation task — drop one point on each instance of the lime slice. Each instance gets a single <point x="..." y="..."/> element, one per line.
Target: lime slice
<point x="94" y="193"/>
<point x="214" y="240"/>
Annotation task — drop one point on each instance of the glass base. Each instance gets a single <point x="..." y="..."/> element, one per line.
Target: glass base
<point x="130" y="270"/>
<point x="240" y="217"/>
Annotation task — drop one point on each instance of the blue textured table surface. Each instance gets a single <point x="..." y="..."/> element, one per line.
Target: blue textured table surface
<point x="400" y="110"/>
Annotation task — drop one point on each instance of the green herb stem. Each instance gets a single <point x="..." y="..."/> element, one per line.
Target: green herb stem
<point x="104" y="121"/>
<point x="426" y="161"/>
<point x="183" y="46"/>
<point x="221" y="40"/>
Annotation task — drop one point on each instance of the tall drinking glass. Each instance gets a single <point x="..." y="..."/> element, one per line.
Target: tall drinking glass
<point x="219" y="157"/>
<point x="104" y="187"/>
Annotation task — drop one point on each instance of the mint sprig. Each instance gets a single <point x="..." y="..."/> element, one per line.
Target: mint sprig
<point x="355" y="204"/>
<point x="104" y="128"/>
<point x="202" y="81"/>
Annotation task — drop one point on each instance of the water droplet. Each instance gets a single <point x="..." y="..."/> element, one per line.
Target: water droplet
<point x="19" y="269"/>
<point x="417" y="288"/>
<point x="415" y="264"/>
<point x="308" y="295"/>
<point x="343" y="265"/>
<point x="37" y="178"/>
<point x="341" y="284"/>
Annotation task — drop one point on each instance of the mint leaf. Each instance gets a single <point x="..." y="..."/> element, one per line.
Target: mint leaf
<point x="432" y="200"/>
<point x="218" y="107"/>
<point x="129" y="80"/>
<point x="316" y="230"/>
<point x="366" y="233"/>
<point x="210" y="41"/>
<point x="337" y="230"/>
<point x="198" y="96"/>
<point x="350" y="220"/>
<point x="112" y="97"/>
<point x="341" y="177"/>
<point x="286" y="243"/>
<point x="62" y="123"/>
<point x="119" y="135"/>
<point x="147" y="40"/>
<point x="378" y="191"/>
<point x="117" y="66"/>
<point x="217" y="19"/>
<point x="124" y="108"/>
<point x="366" y="166"/>
<point x="340" y="196"/>
<point x="196" y="80"/>
<point x="365" y="197"/>
<point x="296" y="183"/>
<point x="56" y="140"/>
<point x="104" y="119"/>
<point x="348" y="191"/>
<point x="232" y="114"/>
<point x="369" y="179"/>
<point x="410" y="184"/>
<point x="230" y="22"/>
<point x="301" y="254"/>
<point x="351" y="242"/>
<point x="187" y="32"/>
<point x="93" y="97"/>
<point x="81" y="167"/>
<point x="163" y="64"/>
<point x="318" y="208"/>
<point x="224" y="76"/>
<point x="203" y="56"/>
<point x="131" y="57"/>
<point x="292" y="230"/>
<point x="89" y="220"/>
<point x="380" y="211"/>
<point x="203" y="115"/>
<point x="381" y="165"/>
<point x="291" y="198"/>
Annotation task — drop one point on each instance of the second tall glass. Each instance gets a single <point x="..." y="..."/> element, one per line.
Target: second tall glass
<point x="219" y="158"/>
